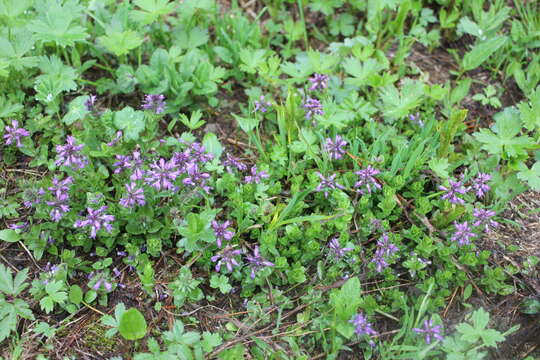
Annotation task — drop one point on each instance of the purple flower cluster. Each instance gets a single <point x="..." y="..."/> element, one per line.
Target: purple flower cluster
<point x="133" y="162"/>
<point x="262" y="105"/>
<point x="454" y="189"/>
<point x="69" y="154"/>
<point x="327" y="184"/>
<point x="14" y="133"/>
<point x="463" y="234"/>
<point x="483" y="218"/>
<point x="430" y="331"/>
<point x="134" y="196"/>
<point x="98" y="282"/>
<point x="318" y="82"/>
<point x="312" y="107"/>
<point x="336" y="248"/>
<point x="90" y="103"/>
<point x="33" y="196"/>
<point x="233" y="162"/>
<point x="155" y="103"/>
<point x="227" y="257"/>
<point x="257" y="262"/>
<point x="117" y="138"/>
<point x="362" y="327"/>
<point x="59" y="191"/>
<point x="335" y="148"/>
<point x="479" y="184"/>
<point x="162" y="174"/>
<point x="96" y="219"/>
<point x="385" y="249"/>
<point x="195" y="177"/>
<point x="256" y="176"/>
<point x="221" y="232"/>
<point x="366" y="179"/>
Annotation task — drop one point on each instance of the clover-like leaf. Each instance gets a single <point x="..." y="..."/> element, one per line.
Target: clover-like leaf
<point x="130" y="121"/>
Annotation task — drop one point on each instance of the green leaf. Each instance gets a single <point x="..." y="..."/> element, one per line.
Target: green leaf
<point x="530" y="110"/>
<point x="212" y="145"/>
<point x="439" y="167"/>
<point x="132" y="325"/>
<point x="482" y="52"/>
<point x="9" y="235"/>
<point x="531" y="176"/>
<point x="130" y="121"/>
<point x="399" y="103"/>
<point x="191" y="39"/>
<point x="121" y="43"/>
<point x="246" y="124"/>
<point x="77" y="110"/>
<point x="75" y="294"/>
<point x="151" y="10"/>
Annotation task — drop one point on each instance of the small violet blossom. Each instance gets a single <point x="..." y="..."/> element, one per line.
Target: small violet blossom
<point x="262" y="105"/>
<point x="59" y="207"/>
<point x="336" y="248"/>
<point x="483" y="218"/>
<point x="107" y="285"/>
<point x="235" y="162"/>
<point x="134" y="196"/>
<point x="96" y="219"/>
<point x="366" y="179"/>
<point x="14" y="133"/>
<point x="69" y="154"/>
<point x="335" y="148"/>
<point x="256" y="176"/>
<point x="221" y="232"/>
<point x="227" y="257"/>
<point x="362" y="327"/>
<point x="318" y="82"/>
<point x="257" y="262"/>
<point x="463" y="234"/>
<point x="313" y="107"/>
<point x="385" y="249"/>
<point x="117" y="137"/>
<point x="162" y="175"/>
<point x="90" y="102"/>
<point x="327" y="184"/>
<point x="454" y="189"/>
<point x="479" y="186"/>
<point x="155" y="103"/>
<point x="429" y="331"/>
<point x="33" y="197"/>
<point x="195" y="177"/>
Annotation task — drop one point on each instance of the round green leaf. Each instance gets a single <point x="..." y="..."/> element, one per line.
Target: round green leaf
<point x="132" y="325"/>
<point x="9" y="235"/>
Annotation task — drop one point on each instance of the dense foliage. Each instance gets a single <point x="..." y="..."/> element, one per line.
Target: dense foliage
<point x="295" y="161"/>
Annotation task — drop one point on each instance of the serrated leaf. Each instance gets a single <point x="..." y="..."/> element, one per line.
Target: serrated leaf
<point x="531" y="176"/>
<point x="121" y="43"/>
<point x="77" y="110"/>
<point x="399" y="103"/>
<point x="130" y="121"/>
<point x="151" y="10"/>
<point x="132" y="325"/>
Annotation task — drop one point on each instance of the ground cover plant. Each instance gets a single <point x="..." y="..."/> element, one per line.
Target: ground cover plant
<point x="279" y="179"/>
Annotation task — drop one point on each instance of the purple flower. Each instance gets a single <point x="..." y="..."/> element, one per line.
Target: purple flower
<point x="429" y="331"/>
<point x="454" y="188"/>
<point x="59" y="206"/>
<point x="327" y="184"/>
<point x="366" y="179"/>
<point x="195" y="177"/>
<point x="90" y="102"/>
<point x="14" y="133"/>
<point x="134" y="196"/>
<point x="116" y="138"/>
<point x="198" y="153"/>
<point x="162" y="174"/>
<point x="256" y="176"/>
<point x="96" y="219"/>
<point x="116" y="272"/>
<point x="336" y="248"/>
<point x="136" y="166"/>
<point x="415" y="119"/>
<point x="386" y="246"/>
<point x="60" y="187"/>
<point x="335" y="147"/>
<point x="362" y="327"/>
<point x="107" y="285"/>
<point x="479" y="184"/>
<point x="385" y="249"/>
<point x="257" y="262"/>
<point x="463" y="234"/>
<point x="18" y="226"/>
<point x="221" y="232"/>
<point x="227" y="257"/>
<point x="155" y="103"/>
<point x="33" y="196"/>
<point x="313" y="107"/>
<point x="69" y="154"/>
<point x="124" y="162"/>
<point x="233" y="161"/>
<point x="318" y="82"/>
<point x="483" y="218"/>
<point x="262" y="105"/>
